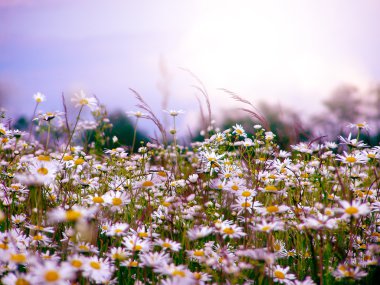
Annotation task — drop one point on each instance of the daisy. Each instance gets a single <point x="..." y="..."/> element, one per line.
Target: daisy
<point x="51" y="273"/>
<point x="212" y="160"/>
<point x="42" y="170"/>
<point x="344" y="271"/>
<point x="174" y="113"/>
<point x="48" y="116"/>
<point x="352" y="142"/>
<point x="39" y="97"/>
<point x="130" y="263"/>
<point x="97" y="269"/>
<point x="144" y="232"/>
<point x="72" y="215"/>
<point x="169" y="244"/>
<point x="116" y="200"/>
<point x="239" y="130"/>
<point x="76" y="261"/>
<point x="352" y="158"/>
<point x="136" y="244"/>
<point x="118" y="253"/>
<point x="199" y="232"/>
<point x="281" y="275"/>
<point x="359" y="126"/>
<point x="354" y="209"/>
<point x="80" y="99"/>
<point x="246" y="193"/>
<point x="154" y="259"/>
<point x="231" y="230"/>
<point x="137" y="114"/>
<point x="268" y="227"/>
<point x="16" y="279"/>
<point x="40" y="239"/>
<point x="243" y="204"/>
<point x="273" y="209"/>
<point x="179" y="273"/>
<point x="18" y="257"/>
<point x="118" y="229"/>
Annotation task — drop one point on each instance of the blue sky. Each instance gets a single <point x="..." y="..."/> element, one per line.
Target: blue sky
<point x="289" y="52"/>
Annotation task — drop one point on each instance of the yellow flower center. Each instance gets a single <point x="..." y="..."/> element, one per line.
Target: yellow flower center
<point x="133" y="263"/>
<point x="51" y="276"/>
<point x="199" y="253"/>
<point x="21" y="281"/>
<point x="143" y="234"/>
<point x="351" y="210"/>
<point x="83" y="101"/>
<point x="278" y="274"/>
<point x="371" y="155"/>
<point x="67" y="158"/>
<point x="228" y="231"/>
<point x="84" y="247"/>
<point x="246" y="193"/>
<point x="43" y="158"/>
<point x="162" y="173"/>
<point x="246" y="204"/>
<point x="95" y="265"/>
<point x="4" y="246"/>
<point x="79" y="161"/>
<point x="118" y="256"/>
<point x="42" y="171"/>
<point x="147" y="183"/>
<point x="350" y="159"/>
<point x="272" y="209"/>
<point x="97" y="200"/>
<point x="72" y="215"/>
<point x="271" y="188"/>
<point x="178" y="273"/>
<point x="166" y="204"/>
<point x="38" y="237"/>
<point x="137" y="247"/>
<point x="197" y="275"/>
<point x="18" y="258"/>
<point x="76" y="263"/>
<point x="116" y="201"/>
<point x="15" y="187"/>
<point x="265" y="228"/>
<point x="276" y="247"/>
<point x="235" y="187"/>
<point x="167" y="245"/>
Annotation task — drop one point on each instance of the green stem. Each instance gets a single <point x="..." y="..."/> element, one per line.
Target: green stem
<point x="134" y="136"/>
<point x="72" y="134"/>
<point x="48" y="137"/>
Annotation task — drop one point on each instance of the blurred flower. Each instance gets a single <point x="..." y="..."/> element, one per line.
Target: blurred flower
<point x="39" y="97"/>
<point x="174" y="113"/>
<point x="137" y="114"/>
<point x="80" y="99"/>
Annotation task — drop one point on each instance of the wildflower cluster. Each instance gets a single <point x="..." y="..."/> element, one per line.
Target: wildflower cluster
<point x="233" y="209"/>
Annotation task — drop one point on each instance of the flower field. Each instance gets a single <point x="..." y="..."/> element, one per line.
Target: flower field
<point x="232" y="209"/>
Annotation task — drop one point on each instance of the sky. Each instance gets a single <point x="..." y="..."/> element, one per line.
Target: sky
<point x="293" y="53"/>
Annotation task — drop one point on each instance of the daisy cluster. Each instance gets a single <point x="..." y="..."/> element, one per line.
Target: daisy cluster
<point x="233" y="209"/>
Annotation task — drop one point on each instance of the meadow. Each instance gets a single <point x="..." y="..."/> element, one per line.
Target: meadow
<point x="233" y="208"/>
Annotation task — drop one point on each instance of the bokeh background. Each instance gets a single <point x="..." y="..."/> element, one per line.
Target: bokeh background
<point x="311" y="64"/>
